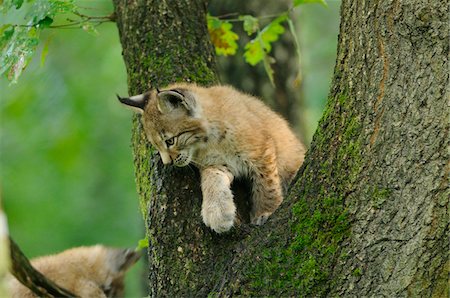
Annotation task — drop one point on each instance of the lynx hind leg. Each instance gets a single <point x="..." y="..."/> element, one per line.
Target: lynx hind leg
<point x="218" y="208"/>
<point x="267" y="191"/>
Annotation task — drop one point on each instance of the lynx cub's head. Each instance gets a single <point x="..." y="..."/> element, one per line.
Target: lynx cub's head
<point x="172" y="122"/>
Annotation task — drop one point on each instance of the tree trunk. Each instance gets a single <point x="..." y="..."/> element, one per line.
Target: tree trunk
<point x="368" y="214"/>
<point x="165" y="42"/>
<point x="391" y="79"/>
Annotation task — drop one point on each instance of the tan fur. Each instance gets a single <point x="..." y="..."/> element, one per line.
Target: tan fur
<point x="226" y="134"/>
<point x="94" y="271"/>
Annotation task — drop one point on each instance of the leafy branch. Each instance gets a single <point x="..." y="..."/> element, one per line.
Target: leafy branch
<point x="18" y="42"/>
<point x="258" y="49"/>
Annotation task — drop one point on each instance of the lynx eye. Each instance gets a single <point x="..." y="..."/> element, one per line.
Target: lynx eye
<point x="170" y="142"/>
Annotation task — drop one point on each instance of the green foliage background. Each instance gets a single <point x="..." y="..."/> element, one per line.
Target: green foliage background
<point x="66" y="163"/>
<point x="66" y="167"/>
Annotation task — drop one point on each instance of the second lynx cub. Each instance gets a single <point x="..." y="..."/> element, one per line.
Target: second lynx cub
<point x="226" y="134"/>
<point x="87" y="271"/>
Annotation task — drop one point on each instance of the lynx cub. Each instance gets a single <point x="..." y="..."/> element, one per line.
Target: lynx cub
<point x="226" y="134"/>
<point x="94" y="271"/>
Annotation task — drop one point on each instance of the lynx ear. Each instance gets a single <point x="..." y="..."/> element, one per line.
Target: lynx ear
<point x="136" y="103"/>
<point x="169" y="100"/>
<point x="122" y="259"/>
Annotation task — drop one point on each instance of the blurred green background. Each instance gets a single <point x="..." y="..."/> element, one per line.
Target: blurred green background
<point x="66" y="166"/>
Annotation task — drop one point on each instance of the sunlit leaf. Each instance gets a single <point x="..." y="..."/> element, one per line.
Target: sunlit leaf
<point x="272" y="32"/>
<point x="251" y="24"/>
<point x="300" y="2"/>
<point x="254" y="52"/>
<point x="222" y="36"/>
<point x="257" y="48"/>
<point x="142" y="243"/>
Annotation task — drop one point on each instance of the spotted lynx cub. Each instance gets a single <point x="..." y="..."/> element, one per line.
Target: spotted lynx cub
<point x="226" y="134"/>
<point x="93" y="271"/>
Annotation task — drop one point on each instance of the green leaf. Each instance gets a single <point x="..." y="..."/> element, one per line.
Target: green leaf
<point x="272" y="32"/>
<point x="6" y="32"/>
<point x="17" y="3"/>
<point x="300" y="2"/>
<point x="254" y="52"/>
<point x="251" y="24"/>
<point x="222" y="36"/>
<point x="17" y="48"/>
<point x="49" y="8"/>
<point x="256" y="49"/>
<point x="213" y="22"/>
<point x="143" y="243"/>
<point x="45" y="22"/>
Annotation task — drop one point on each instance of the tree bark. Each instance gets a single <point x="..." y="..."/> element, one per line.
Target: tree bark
<point x="368" y="213"/>
<point x="392" y="67"/>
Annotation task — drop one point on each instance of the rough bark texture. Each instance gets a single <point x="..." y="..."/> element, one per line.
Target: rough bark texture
<point x="368" y="214"/>
<point x="392" y="69"/>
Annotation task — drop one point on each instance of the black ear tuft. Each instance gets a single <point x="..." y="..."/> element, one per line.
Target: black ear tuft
<point x="136" y="102"/>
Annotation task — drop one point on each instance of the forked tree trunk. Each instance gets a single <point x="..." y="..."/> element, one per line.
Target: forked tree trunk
<point x="368" y="214"/>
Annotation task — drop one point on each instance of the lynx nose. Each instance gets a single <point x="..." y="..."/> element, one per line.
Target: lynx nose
<point x="165" y="158"/>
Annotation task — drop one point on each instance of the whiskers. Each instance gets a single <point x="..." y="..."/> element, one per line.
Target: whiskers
<point x="196" y="163"/>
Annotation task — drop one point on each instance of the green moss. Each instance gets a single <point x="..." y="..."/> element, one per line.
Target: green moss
<point x="143" y="170"/>
<point x="357" y="272"/>
<point x="378" y="196"/>
<point x="342" y="99"/>
<point x="303" y="265"/>
<point x="306" y="261"/>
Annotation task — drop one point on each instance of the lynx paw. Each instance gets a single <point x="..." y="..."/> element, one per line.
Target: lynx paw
<point x="219" y="217"/>
<point x="260" y="219"/>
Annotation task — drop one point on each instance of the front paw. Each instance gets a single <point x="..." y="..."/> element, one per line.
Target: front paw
<point x="260" y="219"/>
<point x="219" y="216"/>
